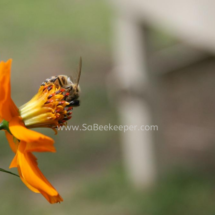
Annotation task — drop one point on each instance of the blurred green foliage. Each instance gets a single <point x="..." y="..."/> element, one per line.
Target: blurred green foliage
<point x="181" y="192"/>
<point x="25" y="21"/>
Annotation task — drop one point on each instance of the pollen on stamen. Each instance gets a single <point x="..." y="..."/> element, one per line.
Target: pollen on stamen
<point x="66" y="95"/>
<point x="50" y="96"/>
<point x="67" y="118"/>
<point x="57" y="115"/>
<point x="58" y="110"/>
<point x="60" y="91"/>
<point x="50" y="87"/>
<point x="49" y="101"/>
<point x="69" y="108"/>
<point x="61" y="103"/>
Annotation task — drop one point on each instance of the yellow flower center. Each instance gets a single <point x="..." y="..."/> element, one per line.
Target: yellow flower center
<point x="48" y="108"/>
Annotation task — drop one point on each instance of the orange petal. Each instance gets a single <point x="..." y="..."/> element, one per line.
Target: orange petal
<point x="36" y="141"/>
<point x="14" y="162"/>
<point x="31" y="175"/>
<point x="33" y="158"/>
<point x="26" y="183"/>
<point x="10" y="139"/>
<point x="40" y="147"/>
<point x="52" y="199"/>
<point x="7" y="107"/>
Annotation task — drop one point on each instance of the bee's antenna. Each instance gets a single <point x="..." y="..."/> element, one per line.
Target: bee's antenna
<point x="79" y="71"/>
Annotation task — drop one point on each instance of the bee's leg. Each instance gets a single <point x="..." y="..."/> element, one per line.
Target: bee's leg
<point x="74" y="103"/>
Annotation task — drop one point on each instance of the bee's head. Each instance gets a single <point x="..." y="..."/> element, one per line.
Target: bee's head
<point x="76" y="88"/>
<point x="72" y="87"/>
<point x="74" y="92"/>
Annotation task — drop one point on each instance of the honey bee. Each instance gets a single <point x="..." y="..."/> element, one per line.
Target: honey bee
<point x="72" y="89"/>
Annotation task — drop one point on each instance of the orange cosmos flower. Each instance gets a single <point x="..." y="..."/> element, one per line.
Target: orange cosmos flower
<point x="48" y="108"/>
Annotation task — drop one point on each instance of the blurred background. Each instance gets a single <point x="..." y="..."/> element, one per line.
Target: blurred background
<point x="144" y="63"/>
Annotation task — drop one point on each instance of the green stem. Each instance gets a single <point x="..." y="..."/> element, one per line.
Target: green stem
<point x="5" y="126"/>
<point x="3" y="170"/>
<point x="1" y="126"/>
